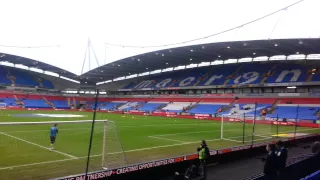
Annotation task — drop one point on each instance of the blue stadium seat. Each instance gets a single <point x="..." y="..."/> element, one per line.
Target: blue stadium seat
<point x="8" y="101"/>
<point x="242" y="74"/>
<point x="35" y="103"/>
<point x="289" y="112"/>
<point x="205" y="109"/>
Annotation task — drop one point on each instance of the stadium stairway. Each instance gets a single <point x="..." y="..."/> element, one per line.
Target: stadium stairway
<point x="177" y="106"/>
<point x="152" y="106"/>
<point x="233" y="75"/>
<point x="205" y="108"/>
<point x="191" y="106"/>
<point x="273" y="107"/>
<point x="271" y="72"/>
<point x="202" y="78"/>
<point x="12" y="80"/>
<point x="48" y="102"/>
<point x="39" y="81"/>
<point x="228" y="107"/>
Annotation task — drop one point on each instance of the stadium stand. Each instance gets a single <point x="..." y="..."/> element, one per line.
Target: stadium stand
<point x="15" y="77"/>
<point x="241" y="74"/>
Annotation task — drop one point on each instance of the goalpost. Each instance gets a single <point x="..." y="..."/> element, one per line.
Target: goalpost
<point x="72" y="143"/>
<point x="244" y="128"/>
<point x="3" y="105"/>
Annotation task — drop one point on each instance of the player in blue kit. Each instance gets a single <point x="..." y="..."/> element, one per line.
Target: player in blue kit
<point x="53" y="135"/>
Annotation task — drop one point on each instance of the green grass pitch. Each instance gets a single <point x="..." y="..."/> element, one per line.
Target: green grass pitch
<point x="24" y="149"/>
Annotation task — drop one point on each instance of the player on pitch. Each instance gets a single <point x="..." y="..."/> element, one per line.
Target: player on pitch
<point x="53" y="135"/>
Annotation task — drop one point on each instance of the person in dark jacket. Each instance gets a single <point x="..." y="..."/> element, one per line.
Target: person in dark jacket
<point x="270" y="166"/>
<point x="282" y="155"/>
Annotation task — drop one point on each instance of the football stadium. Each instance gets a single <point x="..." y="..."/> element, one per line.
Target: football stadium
<point x="130" y="110"/>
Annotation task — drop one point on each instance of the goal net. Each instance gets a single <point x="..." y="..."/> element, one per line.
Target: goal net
<point x="26" y="148"/>
<point x="3" y="105"/>
<point x="245" y="128"/>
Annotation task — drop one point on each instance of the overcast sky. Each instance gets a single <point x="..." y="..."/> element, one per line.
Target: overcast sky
<point x="69" y="24"/>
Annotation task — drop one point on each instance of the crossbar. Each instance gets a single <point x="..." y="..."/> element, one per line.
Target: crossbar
<point x="50" y="122"/>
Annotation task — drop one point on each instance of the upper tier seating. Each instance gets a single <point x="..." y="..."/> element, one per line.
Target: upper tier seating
<point x="229" y="74"/>
<point x="10" y="76"/>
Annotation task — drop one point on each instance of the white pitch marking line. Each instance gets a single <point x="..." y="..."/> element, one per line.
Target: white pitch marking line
<point x="196" y="132"/>
<point x="59" y="152"/>
<point x="166" y="139"/>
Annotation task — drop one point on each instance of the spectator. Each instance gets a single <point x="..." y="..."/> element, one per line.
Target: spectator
<point x="270" y="166"/>
<point x="282" y="155"/>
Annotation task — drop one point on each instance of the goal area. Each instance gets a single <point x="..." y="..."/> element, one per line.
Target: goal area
<point x="25" y="146"/>
<point x="245" y="129"/>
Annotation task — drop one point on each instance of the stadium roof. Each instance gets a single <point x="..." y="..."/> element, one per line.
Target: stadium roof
<point x="33" y="65"/>
<point x="147" y="63"/>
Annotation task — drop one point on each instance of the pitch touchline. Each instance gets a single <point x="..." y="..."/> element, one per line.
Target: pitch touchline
<point x="43" y="147"/>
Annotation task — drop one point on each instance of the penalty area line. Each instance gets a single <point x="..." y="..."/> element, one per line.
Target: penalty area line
<point x="43" y="147"/>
